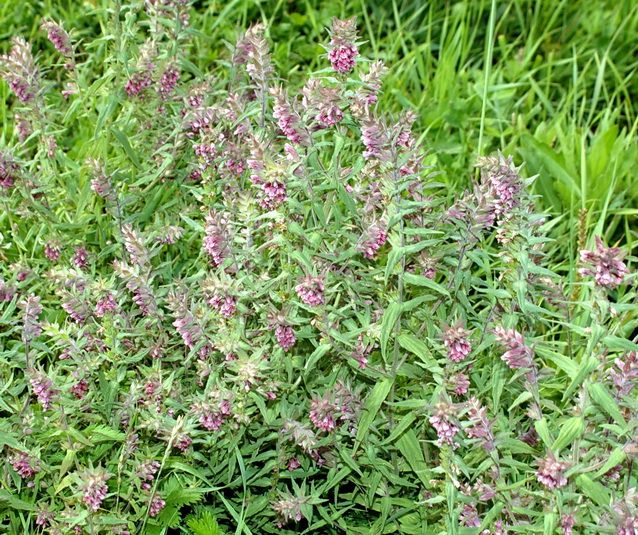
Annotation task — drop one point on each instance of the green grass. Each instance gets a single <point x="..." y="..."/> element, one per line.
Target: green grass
<point x="549" y="81"/>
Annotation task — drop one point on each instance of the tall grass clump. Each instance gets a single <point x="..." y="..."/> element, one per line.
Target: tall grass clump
<point x="243" y="304"/>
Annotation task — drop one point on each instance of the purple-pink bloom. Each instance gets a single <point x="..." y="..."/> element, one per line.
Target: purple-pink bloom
<point x="156" y="505"/>
<point x="446" y="429"/>
<point x="342" y="47"/>
<point x="517" y="354"/>
<point x="322" y="413"/>
<point x="605" y="265"/>
<point x="24" y="464"/>
<point x="58" y="36"/>
<point x="310" y="290"/>
<point x="94" y="487"/>
<point x="372" y="240"/>
<point x="456" y="340"/>
<point x="551" y="472"/>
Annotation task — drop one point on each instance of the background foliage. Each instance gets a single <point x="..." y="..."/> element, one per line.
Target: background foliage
<point x="550" y="83"/>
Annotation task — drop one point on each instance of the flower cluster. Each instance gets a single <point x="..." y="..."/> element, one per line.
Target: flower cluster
<point x="605" y="265"/>
<point x="517" y="354"/>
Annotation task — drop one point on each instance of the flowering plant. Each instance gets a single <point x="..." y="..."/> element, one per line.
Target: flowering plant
<point x="253" y="305"/>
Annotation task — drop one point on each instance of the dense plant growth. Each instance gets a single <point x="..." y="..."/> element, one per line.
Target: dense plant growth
<point x="245" y="302"/>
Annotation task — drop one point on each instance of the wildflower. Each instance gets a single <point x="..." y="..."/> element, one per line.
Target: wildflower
<point x="105" y="304"/>
<point x="146" y="472"/>
<point x="322" y="413"/>
<point x="456" y="340"/>
<point x="567" y="522"/>
<point x="140" y="79"/>
<point x="134" y="245"/>
<point x="24" y="464"/>
<point x="42" y="388"/>
<point x="606" y="265"/>
<point x="94" y="487"/>
<point x="169" y="235"/>
<point x="458" y="384"/>
<point x="293" y="464"/>
<point x="342" y="48"/>
<point x="625" y="377"/>
<point x="469" y="516"/>
<point x="375" y="139"/>
<point x="288" y="507"/>
<point x="156" y="505"/>
<point x="225" y="304"/>
<point x="44" y="517"/>
<point x="186" y="323"/>
<point x="310" y="290"/>
<point x="501" y="184"/>
<point x="361" y="352"/>
<point x="168" y="81"/>
<point x="80" y="389"/>
<point x="252" y="50"/>
<point x="100" y="183"/>
<point x="550" y="472"/>
<point x="6" y="291"/>
<point x="287" y="118"/>
<point x="78" y="310"/>
<point x="52" y="250"/>
<point x="372" y="240"/>
<point x="9" y="170"/>
<point x="80" y="257"/>
<point x="300" y="434"/>
<point x="23" y="129"/>
<point x="441" y="420"/>
<point x="182" y="441"/>
<point x="58" y="36"/>
<point x="216" y="242"/>
<point x="19" y="70"/>
<point x="518" y="354"/>
<point x="480" y="427"/>
<point x="285" y="336"/>
<point x="31" y="325"/>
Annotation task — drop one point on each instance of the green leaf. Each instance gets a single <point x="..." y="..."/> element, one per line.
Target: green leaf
<point x="123" y="140"/>
<point x="412" y="344"/>
<point x="617" y="342"/>
<point x="594" y="490"/>
<point x="586" y="367"/>
<point x="569" y="431"/>
<point x="412" y="451"/>
<point x="421" y="280"/>
<point x="14" y="502"/>
<point x="543" y="431"/>
<point x="205" y="524"/>
<point x="615" y="458"/>
<point x="373" y="403"/>
<point x="604" y="399"/>
<point x="390" y="318"/>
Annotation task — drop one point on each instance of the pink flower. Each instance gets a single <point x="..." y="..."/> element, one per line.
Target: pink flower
<point x="285" y="336"/>
<point x="52" y="250"/>
<point x="442" y="422"/>
<point x="42" y="388"/>
<point x="310" y="290"/>
<point x="80" y="389"/>
<point x="322" y="414"/>
<point x="105" y="304"/>
<point x="80" y="257"/>
<point x="455" y="339"/>
<point x="518" y="354"/>
<point x="342" y="57"/>
<point x="293" y="464"/>
<point x="606" y="265"/>
<point x="550" y="472"/>
<point x="168" y="81"/>
<point x="9" y="170"/>
<point x="24" y="464"/>
<point x="58" y="36"/>
<point x="94" y="487"/>
<point x="156" y="505"/>
<point x="480" y="427"/>
<point x="458" y="384"/>
<point x="372" y="240"/>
